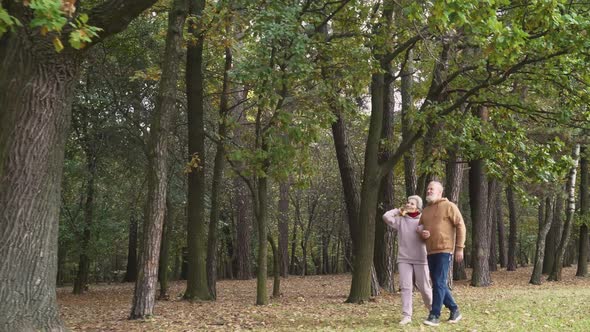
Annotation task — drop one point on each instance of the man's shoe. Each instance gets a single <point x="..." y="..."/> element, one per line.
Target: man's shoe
<point x="432" y="321"/>
<point x="406" y="320"/>
<point x="455" y="316"/>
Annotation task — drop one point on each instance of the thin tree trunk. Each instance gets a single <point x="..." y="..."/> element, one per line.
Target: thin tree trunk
<point x="407" y="82"/>
<point x="478" y="199"/>
<point x="131" y="273"/>
<point x="261" y="218"/>
<point x="583" y="254"/>
<point x="453" y="185"/>
<point x="61" y="263"/>
<point x="276" y="284"/>
<point x="163" y="273"/>
<point x="81" y="282"/>
<point x="499" y="212"/>
<point x="293" y="266"/>
<point x="197" y="288"/>
<point x="552" y="239"/>
<point x="493" y="222"/>
<point x="512" y="236"/>
<point x="569" y="215"/>
<point x="284" y="228"/>
<point x="244" y="271"/>
<point x="145" y="286"/>
<point x="217" y="178"/>
<point x="545" y="218"/>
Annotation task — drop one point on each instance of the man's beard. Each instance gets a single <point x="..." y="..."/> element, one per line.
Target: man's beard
<point x="430" y="198"/>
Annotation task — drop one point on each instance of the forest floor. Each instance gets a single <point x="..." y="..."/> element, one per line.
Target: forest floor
<point x="317" y="303"/>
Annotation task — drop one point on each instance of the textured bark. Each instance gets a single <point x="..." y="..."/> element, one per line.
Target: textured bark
<point x="146" y="283"/>
<point x="197" y="288"/>
<point x="216" y="186"/>
<point x="569" y="215"/>
<point x="545" y="218"/>
<point x="512" y="236"/>
<point x="584" y="247"/>
<point x="284" y="228"/>
<point x="36" y="88"/>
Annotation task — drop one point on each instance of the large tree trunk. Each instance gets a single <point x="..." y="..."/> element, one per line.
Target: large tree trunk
<point x="569" y="215"/>
<point x="34" y="118"/>
<point x="512" y="236"/>
<point x="217" y="178"/>
<point x="81" y="282"/>
<point x="545" y="218"/>
<point x="36" y="90"/>
<point x="582" y="270"/>
<point x="197" y="288"/>
<point x="382" y="259"/>
<point x="284" y="228"/>
<point x="145" y="286"/>
<point x="478" y="199"/>
<point x="363" y="249"/>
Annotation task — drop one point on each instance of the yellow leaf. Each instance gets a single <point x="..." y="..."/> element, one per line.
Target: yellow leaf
<point x="57" y="44"/>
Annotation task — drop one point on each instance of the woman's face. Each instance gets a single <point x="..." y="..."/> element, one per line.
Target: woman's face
<point x="411" y="205"/>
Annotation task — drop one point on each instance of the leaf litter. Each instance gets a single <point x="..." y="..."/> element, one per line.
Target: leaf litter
<point x="317" y="303"/>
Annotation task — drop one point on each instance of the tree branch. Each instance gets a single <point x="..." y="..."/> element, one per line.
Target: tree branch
<point x="114" y="16"/>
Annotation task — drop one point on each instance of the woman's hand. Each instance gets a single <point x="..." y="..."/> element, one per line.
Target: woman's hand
<point x="425" y="234"/>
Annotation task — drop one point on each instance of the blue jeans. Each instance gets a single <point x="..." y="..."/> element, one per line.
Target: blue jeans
<point x="441" y="294"/>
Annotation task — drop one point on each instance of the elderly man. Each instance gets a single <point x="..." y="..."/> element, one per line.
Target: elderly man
<point x="443" y="229"/>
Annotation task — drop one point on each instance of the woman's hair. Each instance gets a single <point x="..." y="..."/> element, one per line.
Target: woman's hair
<point x="418" y="201"/>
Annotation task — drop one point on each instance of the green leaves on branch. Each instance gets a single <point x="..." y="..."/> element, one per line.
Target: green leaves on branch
<point x="7" y="22"/>
<point x="53" y="16"/>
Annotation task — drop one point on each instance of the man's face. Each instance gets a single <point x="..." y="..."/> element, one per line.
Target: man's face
<point x="433" y="192"/>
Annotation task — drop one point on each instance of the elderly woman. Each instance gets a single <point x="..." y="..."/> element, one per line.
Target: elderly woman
<point x="411" y="257"/>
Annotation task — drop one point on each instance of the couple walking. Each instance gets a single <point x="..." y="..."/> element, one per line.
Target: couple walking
<point x="427" y="240"/>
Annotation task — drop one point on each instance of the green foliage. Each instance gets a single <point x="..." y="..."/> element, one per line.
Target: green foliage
<point x="82" y="33"/>
<point x="52" y="17"/>
<point x="7" y="22"/>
